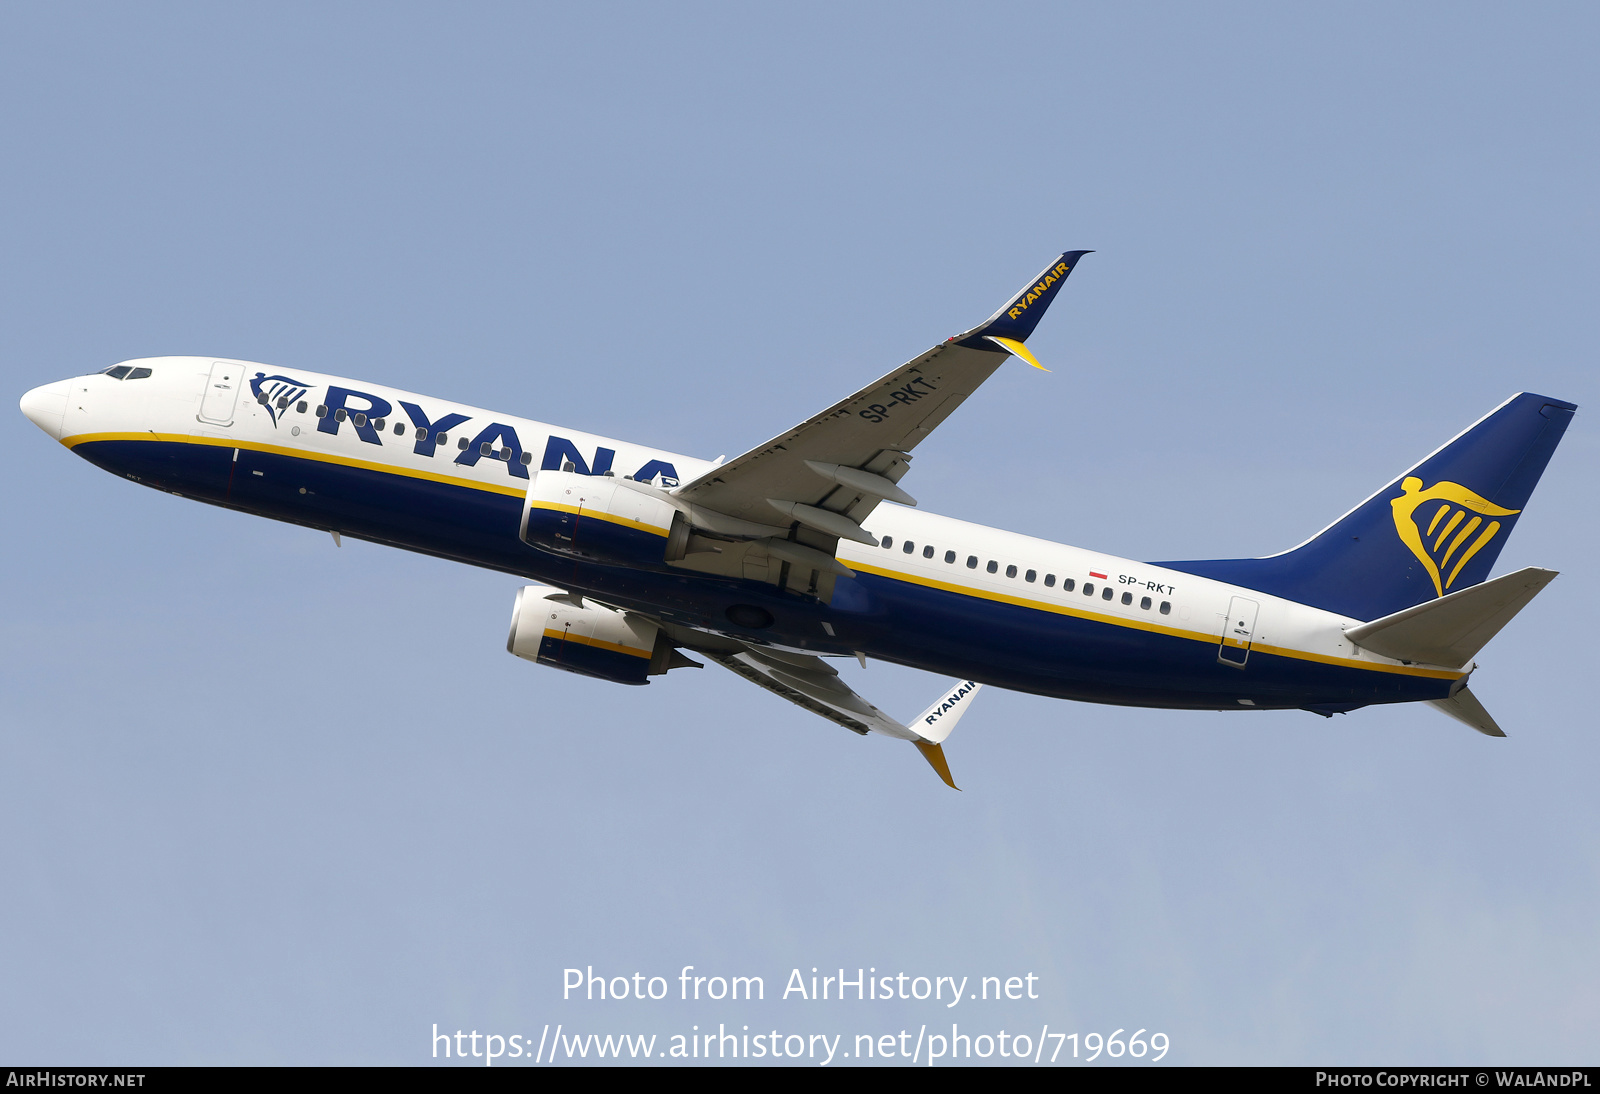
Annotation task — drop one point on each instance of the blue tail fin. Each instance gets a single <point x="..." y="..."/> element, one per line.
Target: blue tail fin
<point x="1435" y="529"/>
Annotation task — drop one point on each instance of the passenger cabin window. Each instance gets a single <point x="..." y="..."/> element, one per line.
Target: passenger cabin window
<point x="1088" y="588"/>
<point x="1166" y="607"/>
<point x="1030" y="575"/>
<point x="1145" y="603"/>
<point x="340" y="415"/>
<point x="908" y="547"/>
<point x="927" y="552"/>
<point x="283" y="402"/>
<point x="1011" y="571"/>
<point x="972" y="562"/>
<point x="361" y="419"/>
<point x="993" y="566"/>
<point x="462" y="444"/>
<point x="300" y="407"/>
<point x="888" y="542"/>
<point x="1107" y="593"/>
<point x="322" y="411"/>
<point x="527" y="458"/>
<point x="1050" y="580"/>
<point x="1127" y="598"/>
<point x="484" y="449"/>
<point x="949" y="556"/>
<point x="399" y="429"/>
<point x="1067" y="584"/>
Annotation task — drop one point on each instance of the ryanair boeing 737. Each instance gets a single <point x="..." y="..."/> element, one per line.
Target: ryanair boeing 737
<point x="774" y="561"/>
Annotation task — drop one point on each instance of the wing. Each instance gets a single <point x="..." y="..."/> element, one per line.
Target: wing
<point x="812" y="683"/>
<point x="830" y="471"/>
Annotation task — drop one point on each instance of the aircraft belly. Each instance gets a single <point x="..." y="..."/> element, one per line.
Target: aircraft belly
<point x="198" y="471"/>
<point x="1068" y="657"/>
<point x="972" y="637"/>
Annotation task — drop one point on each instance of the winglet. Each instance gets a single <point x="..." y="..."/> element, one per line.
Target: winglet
<point x="1022" y="312"/>
<point x="1011" y="345"/>
<point x="934" y="754"/>
<point x="935" y="724"/>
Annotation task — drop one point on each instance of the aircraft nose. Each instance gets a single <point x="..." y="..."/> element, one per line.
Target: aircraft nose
<point x="46" y="406"/>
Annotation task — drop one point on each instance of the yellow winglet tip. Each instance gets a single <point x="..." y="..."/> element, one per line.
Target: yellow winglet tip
<point x="934" y="754"/>
<point x="1011" y="345"/>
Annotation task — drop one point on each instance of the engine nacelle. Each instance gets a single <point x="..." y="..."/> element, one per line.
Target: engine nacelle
<point x="592" y="640"/>
<point x="602" y="518"/>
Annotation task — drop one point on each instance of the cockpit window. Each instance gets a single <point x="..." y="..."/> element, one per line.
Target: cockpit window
<point x="125" y="372"/>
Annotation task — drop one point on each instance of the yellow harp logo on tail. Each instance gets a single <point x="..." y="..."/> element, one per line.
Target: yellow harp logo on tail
<point x="1444" y="526"/>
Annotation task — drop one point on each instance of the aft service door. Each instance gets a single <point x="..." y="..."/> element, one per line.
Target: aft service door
<point x="1238" y="630"/>
<point x="222" y="392"/>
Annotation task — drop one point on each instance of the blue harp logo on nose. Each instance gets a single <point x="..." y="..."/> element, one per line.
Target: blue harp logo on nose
<point x="277" y="393"/>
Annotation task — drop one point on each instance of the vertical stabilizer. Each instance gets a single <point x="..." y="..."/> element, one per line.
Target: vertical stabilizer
<point x="1434" y="529"/>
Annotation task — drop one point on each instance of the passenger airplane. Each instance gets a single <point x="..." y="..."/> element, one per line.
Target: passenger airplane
<point x="773" y="561"/>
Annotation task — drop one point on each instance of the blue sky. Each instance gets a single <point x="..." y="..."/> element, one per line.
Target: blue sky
<point x="269" y="801"/>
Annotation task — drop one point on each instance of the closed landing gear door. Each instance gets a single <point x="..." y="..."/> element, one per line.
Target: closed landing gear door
<point x="1238" y="631"/>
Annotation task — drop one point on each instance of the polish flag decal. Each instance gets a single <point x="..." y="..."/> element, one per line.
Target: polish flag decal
<point x="1102" y="577"/>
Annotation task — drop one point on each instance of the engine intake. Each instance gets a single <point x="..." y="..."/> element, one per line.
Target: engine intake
<point x="602" y="518"/>
<point x="591" y="640"/>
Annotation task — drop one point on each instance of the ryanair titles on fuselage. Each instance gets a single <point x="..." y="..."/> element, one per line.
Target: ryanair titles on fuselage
<point x="496" y="441"/>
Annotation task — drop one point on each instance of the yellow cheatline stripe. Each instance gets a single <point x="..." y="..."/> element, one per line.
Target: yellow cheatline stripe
<point x="590" y="514"/>
<point x="299" y="454"/>
<point x="567" y="636"/>
<point x="1154" y="628"/>
<point x="1019" y="349"/>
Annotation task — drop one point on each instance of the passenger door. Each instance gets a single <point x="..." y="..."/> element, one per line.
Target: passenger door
<point x="222" y="392"/>
<point x="1238" y="630"/>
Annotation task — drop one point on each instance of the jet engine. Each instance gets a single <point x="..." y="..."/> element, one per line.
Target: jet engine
<point x="603" y="518"/>
<point x="555" y="628"/>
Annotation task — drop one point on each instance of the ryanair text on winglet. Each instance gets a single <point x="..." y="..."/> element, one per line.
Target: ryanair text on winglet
<point x="950" y="703"/>
<point x="1050" y="278"/>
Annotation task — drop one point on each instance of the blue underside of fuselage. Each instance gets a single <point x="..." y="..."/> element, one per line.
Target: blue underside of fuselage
<point x="1007" y="645"/>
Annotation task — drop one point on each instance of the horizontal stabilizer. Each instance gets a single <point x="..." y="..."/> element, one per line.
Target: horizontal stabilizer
<point x="1463" y="706"/>
<point x="1450" y="630"/>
